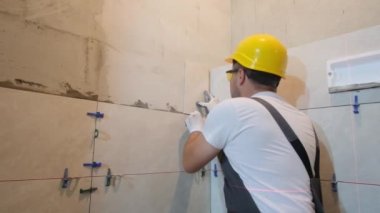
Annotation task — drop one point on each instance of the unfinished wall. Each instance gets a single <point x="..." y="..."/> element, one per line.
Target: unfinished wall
<point x="316" y="32"/>
<point x="299" y="22"/>
<point x="141" y="63"/>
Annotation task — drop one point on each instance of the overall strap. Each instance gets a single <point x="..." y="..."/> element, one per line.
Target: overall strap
<point x="316" y="162"/>
<point x="291" y="136"/>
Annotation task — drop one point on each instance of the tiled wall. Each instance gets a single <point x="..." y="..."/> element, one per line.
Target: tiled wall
<point x="141" y="63"/>
<point x="316" y="32"/>
<point x="350" y="140"/>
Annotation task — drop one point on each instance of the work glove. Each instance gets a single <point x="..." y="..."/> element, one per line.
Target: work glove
<point x="209" y="105"/>
<point x="194" y="122"/>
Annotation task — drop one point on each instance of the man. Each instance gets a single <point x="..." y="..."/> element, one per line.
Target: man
<point x="263" y="173"/>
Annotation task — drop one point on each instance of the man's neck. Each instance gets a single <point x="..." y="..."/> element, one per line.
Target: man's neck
<point x="253" y="89"/>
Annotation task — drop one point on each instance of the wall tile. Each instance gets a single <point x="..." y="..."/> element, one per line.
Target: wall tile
<point x="219" y="86"/>
<point x="369" y="197"/>
<point x="334" y="128"/>
<point x="348" y="198"/>
<point x="44" y="134"/>
<point x="367" y="142"/>
<point x="171" y="192"/>
<point x="71" y="16"/>
<point x="14" y="7"/>
<point x="44" y="196"/>
<point x="196" y="82"/>
<point x="306" y="83"/>
<point x="144" y="140"/>
<point x="128" y="79"/>
<point x="36" y="58"/>
<point x="149" y="55"/>
<point x="133" y="26"/>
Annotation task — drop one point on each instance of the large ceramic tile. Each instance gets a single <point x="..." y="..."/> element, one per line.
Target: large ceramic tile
<point x="128" y="79"/>
<point x="150" y="56"/>
<point x="14" y="7"/>
<point x="369" y="197"/>
<point x="165" y="85"/>
<point x="318" y="92"/>
<point x="360" y="42"/>
<point x="154" y="29"/>
<point x="77" y="17"/>
<point x="196" y="82"/>
<point x="348" y="198"/>
<point x="366" y="96"/>
<point x="41" y="135"/>
<point x="41" y="59"/>
<point x="140" y="64"/>
<point x="307" y="74"/>
<point x="143" y="140"/>
<point x="44" y="196"/>
<point x="367" y="142"/>
<point x="219" y="85"/>
<point x="133" y="26"/>
<point x="170" y="192"/>
<point x="218" y="204"/>
<point x="293" y="87"/>
<point x="334" y="127"/>
<point x="307" y="71"/>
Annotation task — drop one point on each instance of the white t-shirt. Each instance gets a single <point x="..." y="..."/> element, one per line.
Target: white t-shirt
<point x="259" y="152"/>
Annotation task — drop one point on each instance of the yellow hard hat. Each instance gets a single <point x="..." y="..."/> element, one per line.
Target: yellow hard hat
<point x="261" y="52"/>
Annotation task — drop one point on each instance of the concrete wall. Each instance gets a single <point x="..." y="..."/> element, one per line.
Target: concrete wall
<point x="141" y="63"/>
<point x="316" y="32"/>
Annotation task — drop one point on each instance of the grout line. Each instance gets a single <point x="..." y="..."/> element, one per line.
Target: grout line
<point x="93" y="156"/>
<point x="343" y="105"/>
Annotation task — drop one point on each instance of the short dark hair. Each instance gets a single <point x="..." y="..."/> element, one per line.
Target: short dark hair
<point x="261" y="77"/>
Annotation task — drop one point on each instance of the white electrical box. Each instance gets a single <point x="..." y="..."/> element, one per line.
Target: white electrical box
<point x="354" y="72"/>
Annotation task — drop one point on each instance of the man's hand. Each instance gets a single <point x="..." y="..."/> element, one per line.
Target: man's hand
<point x="209" y="105"/>
<point x="194" y="122"/>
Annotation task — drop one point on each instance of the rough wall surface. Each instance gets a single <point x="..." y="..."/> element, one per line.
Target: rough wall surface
<point x="137" y="53"/>
<point x="142" y="63"/>
<point x="298" y="22"/>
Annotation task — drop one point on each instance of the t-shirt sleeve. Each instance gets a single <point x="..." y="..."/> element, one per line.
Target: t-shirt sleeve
<point x="220" y="124"/>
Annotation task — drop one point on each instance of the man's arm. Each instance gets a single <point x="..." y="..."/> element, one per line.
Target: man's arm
<point x="197" y="152"/>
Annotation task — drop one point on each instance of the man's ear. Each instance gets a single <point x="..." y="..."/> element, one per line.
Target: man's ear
<point x="241" y="76"/>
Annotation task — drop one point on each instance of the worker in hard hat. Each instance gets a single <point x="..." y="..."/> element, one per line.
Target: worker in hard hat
<point x="263" y="172"/>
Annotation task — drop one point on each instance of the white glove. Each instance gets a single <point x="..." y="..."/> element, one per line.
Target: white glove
<point x="209" y="105"/>
<point x="194" y="122"/>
